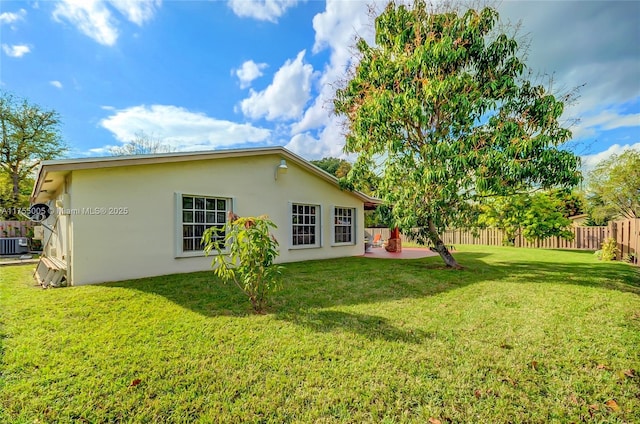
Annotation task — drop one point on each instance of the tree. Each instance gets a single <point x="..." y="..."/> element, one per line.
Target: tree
<point x="337" y="167"/>
<point x="28" y="134"/>
<point x="614" y="187"/>
<point x="248" y="263"/>
<point x="535" y="216"/>
<point x="10" y="207"/>
<point x="142" y="144"/>
<point x="443" y="102"/>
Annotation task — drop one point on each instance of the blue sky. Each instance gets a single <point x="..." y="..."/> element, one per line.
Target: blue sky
<point x="202" y="75"/>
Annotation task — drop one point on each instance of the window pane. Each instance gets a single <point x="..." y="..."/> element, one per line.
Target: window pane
<point x="187" y="202"/>
<point x="187" y="216"/>
<point x="211" y="204"/>
<point x="187" y="231"/>
<point x="211" y="217"/>
<point x="187" y="244"/>
<point x="198" y="230"/>
<point x="222" y="205"/>
<point x="199" y="217"/>
<point x="221" y="217"/>
<point x="199" y="203"/>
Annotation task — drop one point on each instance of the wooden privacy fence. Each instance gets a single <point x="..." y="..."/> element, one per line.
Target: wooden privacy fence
<point x="625" y="232"/>
<point x="16" y="228"/>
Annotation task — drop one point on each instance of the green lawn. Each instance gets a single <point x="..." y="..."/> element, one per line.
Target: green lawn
<point x="520" y="335"/>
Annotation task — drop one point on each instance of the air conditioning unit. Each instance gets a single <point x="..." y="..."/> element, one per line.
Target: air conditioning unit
<point x="14" y="246"/>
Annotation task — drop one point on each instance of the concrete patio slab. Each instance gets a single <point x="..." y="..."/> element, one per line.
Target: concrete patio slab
<point x="407" y="253"/>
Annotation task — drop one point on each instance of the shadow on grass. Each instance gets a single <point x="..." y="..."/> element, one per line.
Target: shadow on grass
<point x="370" y="326"/>
<point x="314" y="285"/>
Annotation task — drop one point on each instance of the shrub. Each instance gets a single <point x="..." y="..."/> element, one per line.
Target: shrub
<point x="248" y="258"/>
<point x="609" y="248"/>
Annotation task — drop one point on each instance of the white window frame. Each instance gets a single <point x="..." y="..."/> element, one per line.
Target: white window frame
<point x="179" y="238"/>
<point x="318" y="226"/>
<point x="334" y="224"/>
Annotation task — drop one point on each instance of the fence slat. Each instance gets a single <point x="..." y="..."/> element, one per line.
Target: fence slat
<point x="16" y="228"/>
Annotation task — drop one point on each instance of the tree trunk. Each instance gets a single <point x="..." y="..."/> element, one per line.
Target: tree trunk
<point x="16" y="186"/>
<point x="440" y="247"/>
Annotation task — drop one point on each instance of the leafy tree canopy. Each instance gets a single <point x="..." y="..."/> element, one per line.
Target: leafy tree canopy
<point x="28" y="134"/>
<point x="337" y="167"/>
<point x="442" y="101"/>
<point x="614" y="187"/>
<point x="535" y="216"/>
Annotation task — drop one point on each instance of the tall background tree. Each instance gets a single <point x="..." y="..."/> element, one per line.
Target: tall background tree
<point x="534" y="216"/>
<point x="29" y="134"/>
<point x="443" y="101"/>
<point x="337" y="167"/>
<point x="614" y="187"/>
<point x="142" y="144"/>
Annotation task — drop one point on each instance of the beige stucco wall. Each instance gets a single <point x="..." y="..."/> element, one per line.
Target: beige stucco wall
<point x="142" y="242"/>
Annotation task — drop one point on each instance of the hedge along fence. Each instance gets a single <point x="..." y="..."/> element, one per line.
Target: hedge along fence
<point x="625" y="232"/>
<point x="16" y="228"/>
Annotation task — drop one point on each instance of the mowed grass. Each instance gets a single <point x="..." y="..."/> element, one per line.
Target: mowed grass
<point x="520" y="335"/>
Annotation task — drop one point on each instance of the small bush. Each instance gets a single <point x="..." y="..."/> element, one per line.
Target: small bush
<point x="609" y="248"/>
<point x="245" y="256"/>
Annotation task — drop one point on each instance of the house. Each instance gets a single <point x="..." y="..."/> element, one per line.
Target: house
<point x="578" y="220"/>
<point x="119" y="218"/>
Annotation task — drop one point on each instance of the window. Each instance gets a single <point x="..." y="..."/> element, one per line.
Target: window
<point x="198" y="214"/>
<point x="343" y="225"/>
<point x="305" y="225"/>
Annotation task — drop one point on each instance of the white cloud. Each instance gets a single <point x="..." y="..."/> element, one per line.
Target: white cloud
<point x="137" y="11"/>
<point x="10" y="17"/>
<point x="92" y="18"/>
<point x="95" y="19"/>
<point x="17" y="50"/>
<point x="248" y="72"/>
<point x="262" y="10"/>
<point x="609" y="120"/>
<point x="563" y="42"/>
<point x="590" y="161"/>
<point x="605" y="120"/>
<point x="336" y="29"/>
<point x="287" y="95"/>
<point x="182" y="129"/>
<point x="56" y="84"/>
<point x="330" y="142"/>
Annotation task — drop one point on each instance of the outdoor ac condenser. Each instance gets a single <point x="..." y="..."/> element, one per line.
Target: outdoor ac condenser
<point x="14" y="246"/>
